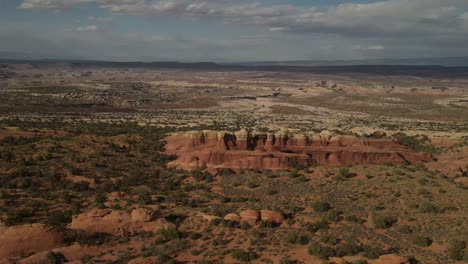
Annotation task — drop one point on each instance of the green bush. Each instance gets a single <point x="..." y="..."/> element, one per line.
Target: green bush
<point x="343" y="173"/>
<point x="167" y="234"/>
<point x="59" y="218"/>
<point x="295" y="238"/>
<point x="384" y="221"/>
<point x="323" y="252"/>
<point x="55" y="258"/>
<point x="422" y="241"/>
<point x="320" y="206"/>
<point x="239" y="254"/>
<point x="456" y="250"/>
<point x="372" y="252"/>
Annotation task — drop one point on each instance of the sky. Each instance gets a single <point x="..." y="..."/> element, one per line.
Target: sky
<point x="233" y="30"/>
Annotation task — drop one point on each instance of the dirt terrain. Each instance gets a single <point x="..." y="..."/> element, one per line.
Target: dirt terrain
<point x="105" y="163"/>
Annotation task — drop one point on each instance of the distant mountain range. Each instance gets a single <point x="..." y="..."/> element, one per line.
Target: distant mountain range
<point x="441" y="61"/>
<point x="432" y="68"/>
<point x="444" y="61"/>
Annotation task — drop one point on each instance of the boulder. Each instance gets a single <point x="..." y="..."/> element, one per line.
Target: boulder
<point x="118" y="223"/>
<point x="142" y="215"/>
<point x="28" y="239"/>
<point x="250" y="216"/>
<point x="391" y="259"/>
<point x="232" y="217"/>
<point x="271" y="216"/>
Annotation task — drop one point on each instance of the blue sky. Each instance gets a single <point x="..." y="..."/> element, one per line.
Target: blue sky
<point x="234" y="30"/>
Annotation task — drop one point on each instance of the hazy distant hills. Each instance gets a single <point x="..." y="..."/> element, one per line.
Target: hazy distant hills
<point x="456" y="67"/>
<point x="461" y="61"/>
<point x="447" y="61"/>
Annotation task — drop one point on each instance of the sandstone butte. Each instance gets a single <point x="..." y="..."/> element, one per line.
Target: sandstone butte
<point x="213" y="150"/>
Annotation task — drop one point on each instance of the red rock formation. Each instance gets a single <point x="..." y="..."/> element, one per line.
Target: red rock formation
<point x="28" y="239"/>
<point x="118" y="223"/>
<point x="244" y="150"/>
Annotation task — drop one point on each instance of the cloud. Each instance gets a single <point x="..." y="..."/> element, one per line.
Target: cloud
<point x="90" y="28"/>
<point x="387" y="28"/>
<point x="369" y="47"/>
<point x="280" y="29"/>
<point x="385" y="18"/>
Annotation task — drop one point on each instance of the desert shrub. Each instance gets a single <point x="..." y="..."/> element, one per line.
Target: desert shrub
<point x="405" y="229"/>
<point x="296" y="238"/>
<point x="216" y="221"/>
<point x="344" y="173"/>
<point x="294" y="174"/>
<point x="329" y="239"/>
<point x="167" y="234"/>
<point x="348" y="248"/>
<point x="194" y="236"/>
<point x="244" y="256"/>
<point x="59" y="218"/>
<point x="55" y="258"/>
<point x="82" y="238"/>
<point x="456" y="250"/>
<point x="252" y="185"/>
<point x="422" y="241"/>
<point x="320" y="206"/>
<point x="372" y="252"/>
<point x="323" y="252"/>
<point x="294" y="163"/>
<point x="144" y="198"/>
<point x="100" y="199"/>
<point x="16" y="217"/>
<point x="285" y="260"/>
<point x="225" y="172"/>
<point x="314" y="227"/>
<point x="202" y="176"/>
<point x="428" y="208"/>
<point x="416" y="143"/>
<point x="361" y="261"/>
<point x="352" y="218"/>
<point x="244" y="225"/>
<point x="384" y="221"/>
<point x="333" y="215"/>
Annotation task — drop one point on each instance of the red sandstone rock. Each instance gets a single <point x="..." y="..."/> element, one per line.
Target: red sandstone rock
<point x="271" y="216"/>
<point x="117" y="222"/>
<point x="28" y="239"/>
<point x="391" y="259"/>
<point x="250" y="216"/>
<point x="232" y="217"/>
<point x="141" y="215"/>
<point x="243" y="150"/>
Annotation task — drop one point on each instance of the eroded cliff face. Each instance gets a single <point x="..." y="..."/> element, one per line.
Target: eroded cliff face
<point x="281" y="151"/>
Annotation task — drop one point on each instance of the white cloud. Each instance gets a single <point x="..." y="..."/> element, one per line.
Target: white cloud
<point x="404" y="28"/>
<point x="90" y="28"/>
<point x="369" y="47"/>
<point x="390" y="17"/>
<point x="279" y="29"/>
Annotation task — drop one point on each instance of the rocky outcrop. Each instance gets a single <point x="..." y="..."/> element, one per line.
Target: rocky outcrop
<point x="118" y="223"/>
<point x="232" y="217"/>
<point x="271" y="216"/>
<point x="28" y="239"/>
<point x="283" y="150"/>
<point x="253" y="216"/>
<point x="250" y="216"/>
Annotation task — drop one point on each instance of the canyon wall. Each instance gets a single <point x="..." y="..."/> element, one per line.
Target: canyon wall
<point x="282" y="151"/>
